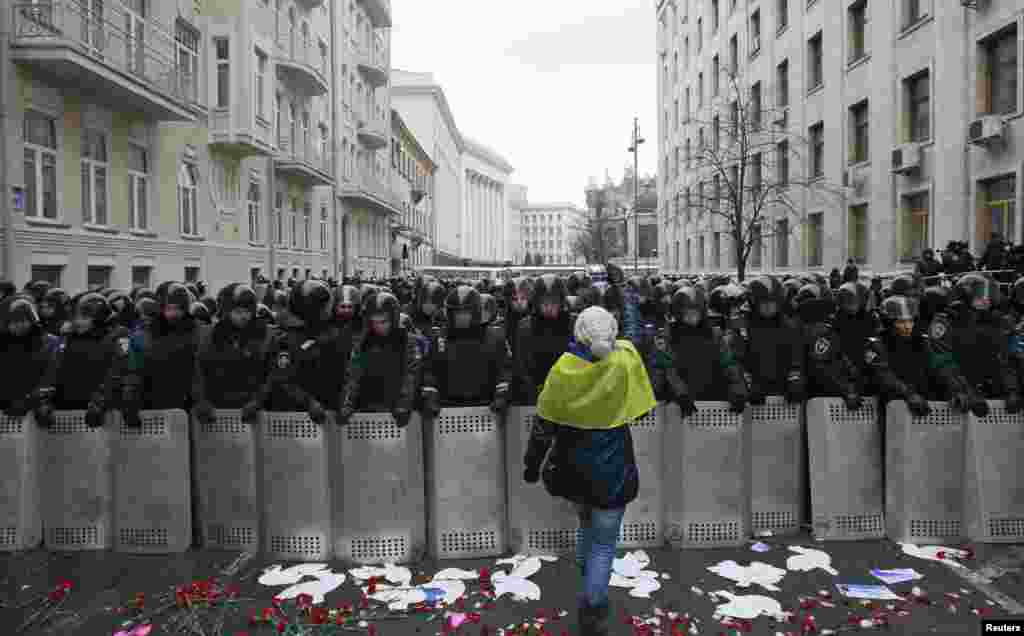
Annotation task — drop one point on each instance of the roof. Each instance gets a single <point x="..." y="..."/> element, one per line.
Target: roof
<point x="484" y="152"/>
<point x="409" y="83"/>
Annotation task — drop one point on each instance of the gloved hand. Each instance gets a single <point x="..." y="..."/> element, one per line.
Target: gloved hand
<point x="531" y="476"/>
<point x="918" y="405"/>
<point x="344" y="415"/>
<point x="401" y="417"/>
<point x="686" y="404"/>
<point x="737" y="402"/>
<point x="205" y="412"/>
<point x="94" y="415"/>
<point x="251" y="411"/>
<point x="1013" y="403"/>
<point x="130" y="414"/>
<point x="796" y="388"/>
<point x="979" y="406"/>
<point x="755" y="395"/>
<point x="500" y="403"/>
<point x="44" y="414"/>
<point x="17" y="408"/>
<point x="431" y="402"/>
<point x="316" y="412"/>
<point x="853" y="401"/>
<point x="960" y="402"/>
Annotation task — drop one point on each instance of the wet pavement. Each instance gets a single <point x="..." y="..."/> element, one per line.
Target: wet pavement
<point x="103" y="581"/>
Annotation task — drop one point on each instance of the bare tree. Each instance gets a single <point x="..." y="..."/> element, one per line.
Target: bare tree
<point x="593" y="233"/>
<point x="744" y="160"/>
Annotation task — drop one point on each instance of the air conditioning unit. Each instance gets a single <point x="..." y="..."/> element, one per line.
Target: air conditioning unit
<point x="906" y="159"/>
<point x="986" y="130"/>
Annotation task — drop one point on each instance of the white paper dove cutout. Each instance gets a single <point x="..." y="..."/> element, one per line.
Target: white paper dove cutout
<point x="318" y="589"/>
<point x="931" y="552"/>
<point x="807" y="559"/>
<point x="400" y="598"/>
<point x="644" y="586"/>
<point x="518" y="587"/>
<point x="526" y="568"/>
<point x="456" y="574"/>
<point x="389" y="571"/>
<point x="516" y="559"/>
<point x="275" y="575"/>
<point x="750" y="606"/>
<point x="628" y="572"/>
<point x="760" y="573"/>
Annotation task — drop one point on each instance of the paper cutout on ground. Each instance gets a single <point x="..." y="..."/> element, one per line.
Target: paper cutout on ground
<point x="526" y="568"/>
<point x="390" y="572"/>
<point x="456" y="574"/>
<point x="518" y="587"/>
<point x="628" y="572"/>
<point x="760" y="573"/>
<point x="515" y="559"/>
<point x="399" y="598"/>
<point x="931" y="553"/>
<point x="760" y="547"/>
<point x="326" y="582"/>
<point x="275" y="575"/>
<point x="748" y="606"/>
<point x="807" y="559"/>
<point x="631" y="564"/>
<point x="902" y="575"/>
<point x="873" y="592"/>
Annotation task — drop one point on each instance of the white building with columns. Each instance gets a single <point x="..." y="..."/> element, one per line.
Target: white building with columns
<point x="485" y="208"/>
<point x="517" y="200"/>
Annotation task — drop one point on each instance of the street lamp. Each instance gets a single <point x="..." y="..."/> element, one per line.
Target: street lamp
<point x="635" y="149"/>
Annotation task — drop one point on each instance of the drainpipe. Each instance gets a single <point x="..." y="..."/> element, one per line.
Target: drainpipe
<point x="335" y="221"/>
<point x="6" y="194"/>
<point x="966" y="162"/>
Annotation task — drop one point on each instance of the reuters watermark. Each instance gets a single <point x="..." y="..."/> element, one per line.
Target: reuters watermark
<point x="1002" y="626"/>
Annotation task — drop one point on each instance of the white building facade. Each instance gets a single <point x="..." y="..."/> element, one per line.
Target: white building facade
<point x="913" y="109"/>
<point x="485" y="204"/>
<point x="517" y="200"/>
<point x="547" y="232"/>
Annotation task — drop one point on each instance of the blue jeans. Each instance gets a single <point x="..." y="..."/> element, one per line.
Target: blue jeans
<point x="595" y="550"/>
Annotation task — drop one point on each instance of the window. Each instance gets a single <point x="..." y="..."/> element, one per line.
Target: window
<point x="186" y="40"/>
<point x="307" y="225"/>
<point x="997" y="208"/>
<point x="814" y="62"/>
<point x="700" y="36"/>
<point x="716" y="250"/>
<point x="700" y="142"/>
<point x="223" y="72"/>
<point x="813" y="240"/>
<point x="141" y="277"/>
<point x="716" y="193"/>
<point x="260" y="84"/>
<point x="857" y="232"/>
<point x="700" y="90"/>
<point x="675" y="164"/>
<point x="323" y="227"/>
<point x="279" y="218"/>
<point x="917" y="91"/>
<point x="675" y="118"/>
<point x="49" y="273"/>
<point x="686" y="114"/>
<point x="97" y="277"/>
<point x="714" y="16"/>
<point x="857" y="24"/>
<point x="912" y="12"/>
<point x="734" y="54"/>
<point x="689" y="153"/>
<point x="756" y="180"/>
<point x="782" y="163"/>
<point x="756" y="246"/>
<point x="817" y="137"/>
<point x="191" y="274"/>
<point x="95" y="169"/>
<point x="782" y="11"/>
<point x="700" y="252"/>
<point x="913" y="235"/>
<point x="859" y="132"/>
<point x="295" y="222"/>
<point x="755" y="32"/>
<point x="675" y="68"/>
<point x="734" y="118"/>
<point x="40" y="136"/>
<point x="689" y="253"/>
<point x="782" y="243"/>
<point x="187" y="199"/>
<point x="716" y="73"/>
<point x="138" y="186"/>
<point x="255" y="199"/>
<point x="997" y="79"/>
<point x="782" y="84"/>
<point x="755" y="106"/>
<point x="716" y="133"/>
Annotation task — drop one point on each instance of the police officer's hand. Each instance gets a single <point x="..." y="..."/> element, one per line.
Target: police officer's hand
<point x="756" y="395"/>
<point x="1013" y="403"/>
<point x="402" y="417"/>
<point x="686" y="404"/>
<point x="44" y="415"/>
<point x="796" y="389"/>
<point x="17" y="408"/>
<point x="960" y="402"/>
<point x="853" y="401"/>
<point x="344" y="416"/>
<point x="316" y="412"/>
<point x="531" y="475"/>
<point x="737" y="402"/>
<point x="251" y="411"/>
<point x="94" y="415"/>
<point x="431" y="402"/>
<point x="500" y="403"/>
<point x="205" y="413"/>
<point x="918" y="405"/>
<point x="979" y="407"/>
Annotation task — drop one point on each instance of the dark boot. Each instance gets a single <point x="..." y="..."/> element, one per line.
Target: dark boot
<point x="593" y="620"/>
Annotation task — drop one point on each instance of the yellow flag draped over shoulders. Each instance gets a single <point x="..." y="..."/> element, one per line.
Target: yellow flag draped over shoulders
<point x="597" y="395"/>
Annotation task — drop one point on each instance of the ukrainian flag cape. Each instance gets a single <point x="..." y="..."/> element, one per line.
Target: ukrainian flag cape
<point x="597" y="395"/>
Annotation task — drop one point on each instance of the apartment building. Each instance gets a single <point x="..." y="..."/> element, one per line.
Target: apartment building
<point x="547" y="230"/>
<point x="166" y="140"/>
<point x="485" y="176"/>
<point x="413" y="182"/>
<point x="911" y="108"/>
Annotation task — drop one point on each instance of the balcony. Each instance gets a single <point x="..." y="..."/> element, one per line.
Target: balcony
<point x="373" y="64"/>
<point x="91" y="51"/>
<point x="379" y="12"/>
<point x="299" y="60"/>
<point x="242" y="140"/>
<point x="304" y="160"/>
<point x="369" y="189"/>
<point x="372" y="133"/>
<point x="310" y="4"/>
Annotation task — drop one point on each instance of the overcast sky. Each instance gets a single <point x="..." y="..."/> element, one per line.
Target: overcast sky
<point x="552" y="85"/>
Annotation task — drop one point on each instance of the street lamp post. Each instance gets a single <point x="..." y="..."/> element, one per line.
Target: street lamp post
<point x="635" y="149"/>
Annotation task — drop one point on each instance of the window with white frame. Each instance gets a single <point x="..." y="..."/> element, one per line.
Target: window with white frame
<point x="254" y="204"/>
<point x="323" y="227"/>
<point x="222" y="48"/>
<point x="295" y="222"/>
<point x="95" y="170"/>
<point x="40" y="137"/>
<point x="307" y="222"/>
<point x="279" y="218"/>
<point x="260" y="84"/>
<point x="138" y="186"/>
<point x="186" y="40"/>
<point x="187" y="199"/>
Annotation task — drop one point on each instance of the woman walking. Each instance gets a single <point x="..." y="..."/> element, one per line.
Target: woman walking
<point x="590" y="395"/>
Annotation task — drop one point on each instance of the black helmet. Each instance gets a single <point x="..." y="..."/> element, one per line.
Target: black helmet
<point x="431" y="293"/>
<point x="94" y="306"/>
<point x="548" y="287"/>
<point x="488" y="309"/>
<point x="464" y="299"/>
<point x="903" y="285"/>
<point x="37" y="289"/>
<point x="382" y="303"/>
<point x="308" y="301"/>
<point x="689" y="297"/>
<point x="263" y="313"/>
<point x="1017" y="292"/>
<point x="236" y="295"/>
<point x="726" y="299"/>
<point x="934" y="300"/>
<point x="611" y="298"/>
<point x="641" y="286"/>
<point x="854" y="298"/>
<point x="978" y="291"/>
<point x="199" y="312"/>
<point x="348" y="295"/>
<point x="900" y="308"/>
<point x="175" y="294"/>
<point x="18" y="307"/>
